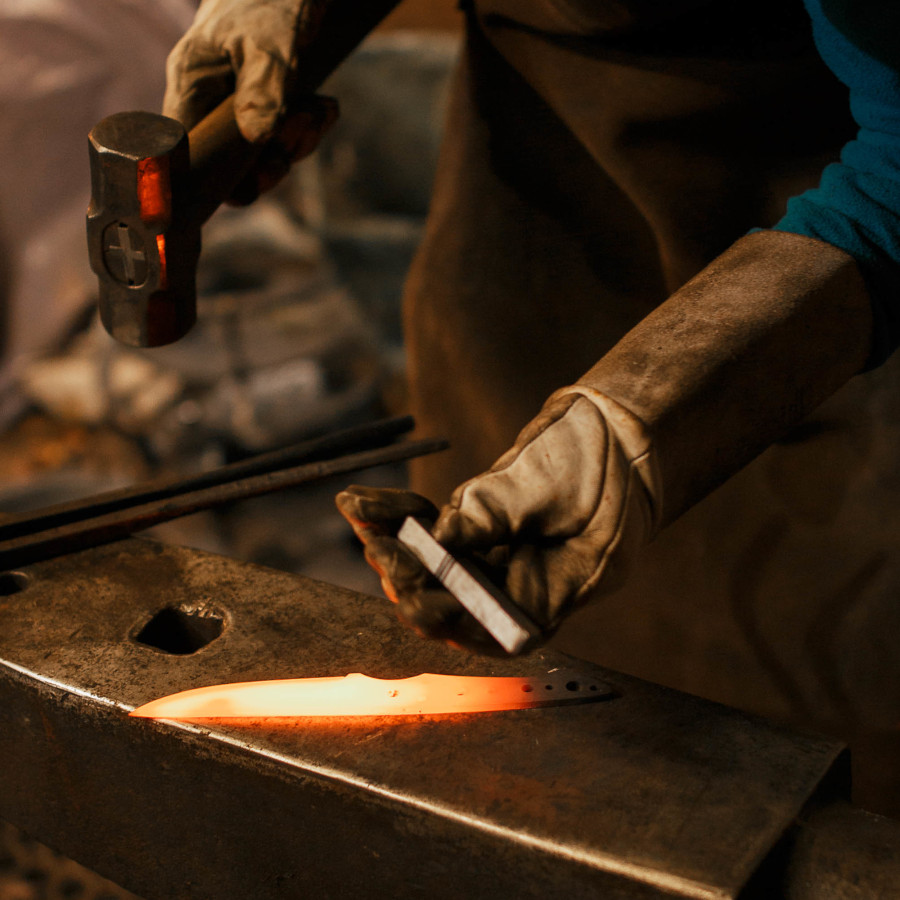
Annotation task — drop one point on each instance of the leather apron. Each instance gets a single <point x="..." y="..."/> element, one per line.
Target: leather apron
<point x="596" y="156"/>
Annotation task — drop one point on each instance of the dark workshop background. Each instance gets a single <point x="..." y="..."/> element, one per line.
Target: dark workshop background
<point x="299" y="310"/>
<point x="300" y="333"/>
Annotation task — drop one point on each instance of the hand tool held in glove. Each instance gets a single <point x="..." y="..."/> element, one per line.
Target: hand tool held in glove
<point x="505" y="622"/>
<point x="153" y="186"/>
<point x="360" y="695"/>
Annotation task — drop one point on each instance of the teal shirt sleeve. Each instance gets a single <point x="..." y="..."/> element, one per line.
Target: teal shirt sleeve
<point x="856" y="206"/>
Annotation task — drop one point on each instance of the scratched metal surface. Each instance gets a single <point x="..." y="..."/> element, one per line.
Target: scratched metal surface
<point x="651" y="794"/>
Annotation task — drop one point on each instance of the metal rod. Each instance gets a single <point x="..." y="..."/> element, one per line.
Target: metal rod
<point x="113" y="526"/>
<point x="360" y="437"/>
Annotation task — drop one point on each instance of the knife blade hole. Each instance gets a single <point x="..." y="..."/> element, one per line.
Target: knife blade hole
<point x="181" y="631"/>
<point x="527" y="688"/>
<point x="12" y="582"/>
<point x="593" y="687"/>
<point x="572" y="686"/>
<point x="548" y="687"/>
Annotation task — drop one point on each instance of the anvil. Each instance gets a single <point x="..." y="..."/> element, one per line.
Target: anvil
<point x="648" y="794"/>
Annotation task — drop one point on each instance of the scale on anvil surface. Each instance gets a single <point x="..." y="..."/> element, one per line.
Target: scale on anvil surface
<point x="648" y="794"/>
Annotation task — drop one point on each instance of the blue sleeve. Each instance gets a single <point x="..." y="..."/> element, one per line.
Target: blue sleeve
<point x="856" y="206"/>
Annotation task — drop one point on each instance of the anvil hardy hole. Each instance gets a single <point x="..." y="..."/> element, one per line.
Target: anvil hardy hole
<point x="180" y="631"/>
<point x="12" y="582"/>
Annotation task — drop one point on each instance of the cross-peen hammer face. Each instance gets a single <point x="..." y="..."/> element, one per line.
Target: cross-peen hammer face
<point x="153" y="187"/>
<point x="143" y="241"/>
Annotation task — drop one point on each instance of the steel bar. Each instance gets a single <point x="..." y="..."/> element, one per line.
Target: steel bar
<point x="651" y="794"/>
<point x="16" y="552"/>
<point x="501" y="618"/>
<point x="360" y="437"/>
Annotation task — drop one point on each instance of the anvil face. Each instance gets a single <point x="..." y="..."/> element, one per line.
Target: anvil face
<point x="648" y="794"/>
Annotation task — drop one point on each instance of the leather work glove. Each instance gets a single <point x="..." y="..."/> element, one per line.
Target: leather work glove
<point x="563" y="512"/>
<point x="693" y="393"/>
<point x="252" y="48"/>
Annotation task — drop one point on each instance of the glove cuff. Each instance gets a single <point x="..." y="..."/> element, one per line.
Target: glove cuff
<point x="738" y="355"/>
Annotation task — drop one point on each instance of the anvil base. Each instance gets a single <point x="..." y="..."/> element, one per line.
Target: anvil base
<point x="649" y="794"/>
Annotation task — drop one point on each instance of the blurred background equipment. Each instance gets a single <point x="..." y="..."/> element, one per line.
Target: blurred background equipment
<point x="299" y="294"/>
<point x="299" y="300"/>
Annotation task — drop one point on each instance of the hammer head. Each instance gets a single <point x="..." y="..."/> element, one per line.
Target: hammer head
<point x="141" y="240"/>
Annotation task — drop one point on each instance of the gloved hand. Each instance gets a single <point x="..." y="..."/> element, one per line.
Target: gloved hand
<point x="561" y="515"/>
<point x="694" y="392"/>
<point x="252" y="48"/>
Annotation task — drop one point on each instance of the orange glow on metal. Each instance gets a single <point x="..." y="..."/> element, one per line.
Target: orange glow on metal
<point x="154" y="190"/>
<point x="360" y="695"/>
<point x="161" y="248"/>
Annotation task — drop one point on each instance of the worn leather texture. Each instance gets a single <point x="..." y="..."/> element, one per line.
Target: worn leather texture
<point x="571" y="502"/>
<point x="587" y="17"/>
<point x="582" y="180"/>
<point x="243" y="46"/>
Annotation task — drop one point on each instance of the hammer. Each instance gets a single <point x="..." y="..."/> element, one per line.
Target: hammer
<point x="153" y="186"/>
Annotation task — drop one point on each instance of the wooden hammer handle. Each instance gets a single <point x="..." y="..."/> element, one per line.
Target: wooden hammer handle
<point x="221" y="156"/>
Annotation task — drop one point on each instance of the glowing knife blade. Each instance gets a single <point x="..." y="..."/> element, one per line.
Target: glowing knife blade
<point x="360" y="695"/>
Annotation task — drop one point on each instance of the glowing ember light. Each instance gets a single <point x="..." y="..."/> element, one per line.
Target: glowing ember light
<point x="154" y="189"/>
<point x="163" y="275"/>
<point x="359" y="695"/>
